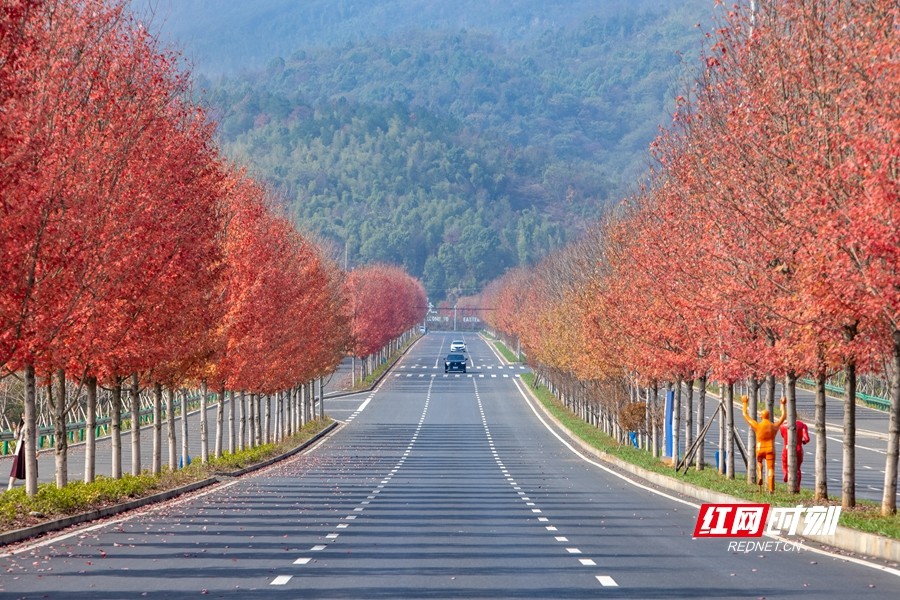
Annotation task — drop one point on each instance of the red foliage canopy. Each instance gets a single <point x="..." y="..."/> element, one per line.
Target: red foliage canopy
<point x="383" y="302"/>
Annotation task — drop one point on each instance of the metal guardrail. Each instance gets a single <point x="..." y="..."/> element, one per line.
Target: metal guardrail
<point x="873" y="401"/>
<point x="76" y="430"/>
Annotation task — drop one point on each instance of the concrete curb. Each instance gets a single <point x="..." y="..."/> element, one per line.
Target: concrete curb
<point x="287" y="454"/>
<point x="848" y="540"/>
<point x="17" y="535"/>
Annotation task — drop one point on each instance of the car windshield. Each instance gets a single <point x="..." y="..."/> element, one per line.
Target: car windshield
<point x="452" y="357"/>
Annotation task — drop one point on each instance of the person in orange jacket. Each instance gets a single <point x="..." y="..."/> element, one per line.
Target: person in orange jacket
<point x="802" y="440"/>
<point x="765" y="441"/>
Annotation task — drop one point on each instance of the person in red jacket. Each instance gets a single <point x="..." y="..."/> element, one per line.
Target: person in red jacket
<point x="802" y="440"/>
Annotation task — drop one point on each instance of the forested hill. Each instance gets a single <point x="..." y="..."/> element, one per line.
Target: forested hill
<point x="458" y="153"/>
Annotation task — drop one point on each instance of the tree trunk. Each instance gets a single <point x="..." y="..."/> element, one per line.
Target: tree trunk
<point x="268" y="420"/>
<point x="90" y="437"/>
<point x="242" y="423"/>
<point x="204" y="438"/>
<point x="289" y="410"/>
<point x="790" y="387"/>
<point x="729" y="431"/>
<point x="302" y="405"/>
<point x="231" y="431"/>
<point x="889" y="498"/>
<point x="284" y="399"/>
<point x="115" y="429"/>
<point x="321" y="399"/>
<point x="279" y="417"/>
<point x="701" y="421"/>
<point x="720" y="463"/>
<point x="185" y="448"/>
<point x="654" y="429"/>
<point x="292" y="411"/>
<point x="676" y="420"/>
<point x="257" y="420"/>
<point x="752" y="409"/>
<point x="220" y="422"/>
<point x="61" y="445"/>
<point x="821" y="440"/>
<point x="689" y="414"/>
<point x="251" y="422"/>
<point x="135" y="426"/>
<point x="30" y="436"/>
<point x="170" y="417"/>
<point x="156" y="464"/>
<point x="770" y="394"/>
<point x="848" y="476"/>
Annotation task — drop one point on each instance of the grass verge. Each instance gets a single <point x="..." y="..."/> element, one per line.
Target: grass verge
<point x="506" y="352"/>
<point x="502" y="348"/>
<point x="18" y="510"/>
<point x="866" y="516"/>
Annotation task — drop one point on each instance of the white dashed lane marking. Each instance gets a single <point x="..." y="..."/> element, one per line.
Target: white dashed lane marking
<point x="604" y="580"/>
<point x="304" y="560"/>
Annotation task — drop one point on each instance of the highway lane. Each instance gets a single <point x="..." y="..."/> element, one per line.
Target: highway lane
<point x="435" y="487"/>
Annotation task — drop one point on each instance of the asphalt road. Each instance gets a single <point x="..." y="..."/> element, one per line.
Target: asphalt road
<point x="436" y="487"/>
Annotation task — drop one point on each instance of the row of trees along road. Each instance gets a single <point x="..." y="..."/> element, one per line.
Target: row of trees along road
<point x="765" y="245"/>
<point x="133" y="254"/>
<point x="384" y="302"/>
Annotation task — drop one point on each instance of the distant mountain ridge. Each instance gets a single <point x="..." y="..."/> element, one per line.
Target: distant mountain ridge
<point x="229" y="36"/>
<point x="457" y="153"/>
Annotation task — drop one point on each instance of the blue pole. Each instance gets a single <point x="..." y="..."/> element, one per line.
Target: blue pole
<point x="670" y="404"/>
